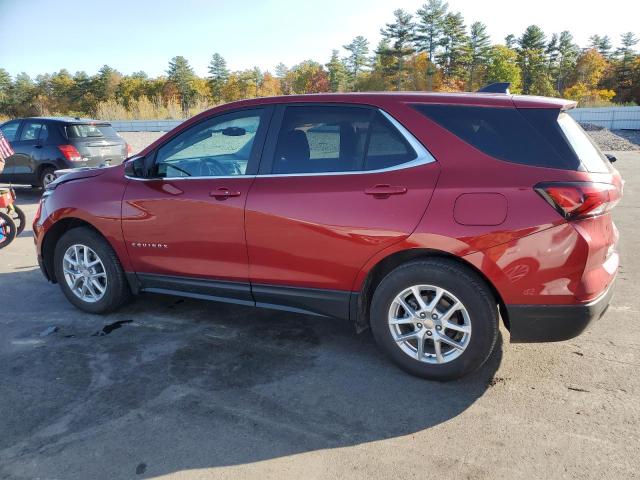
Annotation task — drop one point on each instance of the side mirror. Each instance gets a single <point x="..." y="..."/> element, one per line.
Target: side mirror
<point x="612" y="158"/>
<point x="134" y="167"/>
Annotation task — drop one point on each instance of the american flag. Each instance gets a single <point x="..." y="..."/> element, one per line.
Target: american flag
<point x="5" y="147"/>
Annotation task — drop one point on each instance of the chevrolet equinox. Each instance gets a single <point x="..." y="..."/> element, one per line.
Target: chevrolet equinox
<point x="424" y="216"/>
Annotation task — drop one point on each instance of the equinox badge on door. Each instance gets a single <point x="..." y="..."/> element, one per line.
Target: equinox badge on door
<point x="149" y="245"/>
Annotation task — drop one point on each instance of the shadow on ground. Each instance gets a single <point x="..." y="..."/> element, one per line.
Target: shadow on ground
<point x="184" y="384"/>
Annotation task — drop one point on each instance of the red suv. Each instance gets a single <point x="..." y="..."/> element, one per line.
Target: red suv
<point x="424" y="216"/>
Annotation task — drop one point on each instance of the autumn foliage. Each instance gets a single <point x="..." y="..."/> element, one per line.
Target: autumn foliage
<point x="432" y="49"/>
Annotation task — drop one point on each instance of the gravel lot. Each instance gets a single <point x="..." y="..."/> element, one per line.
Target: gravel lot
<point x="616" y="140"/>
<point x="186" y="389"/>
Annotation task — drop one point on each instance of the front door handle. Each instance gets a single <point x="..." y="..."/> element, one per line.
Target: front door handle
<point x="223" y="193"/>
<point x="385" y="190"/>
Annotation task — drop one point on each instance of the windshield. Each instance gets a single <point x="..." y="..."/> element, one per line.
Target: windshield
<point x="588" y="153"/>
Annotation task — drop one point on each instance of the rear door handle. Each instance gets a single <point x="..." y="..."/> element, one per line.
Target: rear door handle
<point x="385" y="190"/>
<point x="223" y="193"/>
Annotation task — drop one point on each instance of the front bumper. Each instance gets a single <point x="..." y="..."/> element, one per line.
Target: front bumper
<point x="554" y="323"/>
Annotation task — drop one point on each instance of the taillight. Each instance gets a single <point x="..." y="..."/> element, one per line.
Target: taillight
<point x="70" y="152"/>
<point x="575" y="200"/>
<point x="129" y="150"/>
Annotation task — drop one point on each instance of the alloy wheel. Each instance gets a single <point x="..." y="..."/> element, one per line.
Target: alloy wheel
<point x="84" y="273"/>
<point x="429" y="324"/>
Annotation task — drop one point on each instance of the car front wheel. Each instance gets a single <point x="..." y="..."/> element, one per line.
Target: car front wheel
<point x="89" y="272"/>
<point x="435" y="318"/>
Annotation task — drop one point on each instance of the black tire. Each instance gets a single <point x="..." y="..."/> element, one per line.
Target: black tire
<point x="18" y="217"/>
<point x="8" y="229"/>
<point x="117" y="289"/>
<point x="44" y="175"/>
<point x="469" y="289"/>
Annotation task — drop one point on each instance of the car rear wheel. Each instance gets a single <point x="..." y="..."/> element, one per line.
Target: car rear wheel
<point x="435" y="318"/>
<point x="47" y="176"/>
<point x="89" y="272"/>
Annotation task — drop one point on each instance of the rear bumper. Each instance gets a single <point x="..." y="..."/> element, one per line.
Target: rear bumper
<point x="554" y="323"/>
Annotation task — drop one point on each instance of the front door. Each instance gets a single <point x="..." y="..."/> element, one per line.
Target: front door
<point x="343" y="183"/>
<point x="184" y="226"/>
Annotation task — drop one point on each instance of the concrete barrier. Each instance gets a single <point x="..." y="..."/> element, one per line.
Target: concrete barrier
<point x="613" y="118"/>
<point x="145" y="125"/>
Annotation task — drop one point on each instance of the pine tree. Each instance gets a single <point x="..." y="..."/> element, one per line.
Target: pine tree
<point x="106" y="83"/>
<point x="602" y="44"/>
<point x="625" y="56"/>
<point x="454" y="43"/>
<point x="479" y="49"/>
<point x="510" y="41"/>
<point x="181" y="75"/>
<point x="429" y="33"/>
<point x="400" y="35"/>
<point x="357" y="60"/>
<point x="568" y="53"/>
<point x="257" y="77"/>
<point x="218" y="76"/>
<point x="532" y="61"/>
<point x="337" y="73"/>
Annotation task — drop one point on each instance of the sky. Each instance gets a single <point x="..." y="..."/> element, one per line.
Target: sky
<point x="39" y="36"/>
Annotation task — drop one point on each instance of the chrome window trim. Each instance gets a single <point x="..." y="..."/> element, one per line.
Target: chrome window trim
<point x="424" y="157"/>
<point x="155" y="179"/>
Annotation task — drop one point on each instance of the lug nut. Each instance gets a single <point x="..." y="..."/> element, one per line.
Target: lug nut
<point x="434" y="316"/>
<point x="438" y="327"/>
<point x="419" y="325"/>
<point x="422" y="315"/>
<point x="429" y="332"/>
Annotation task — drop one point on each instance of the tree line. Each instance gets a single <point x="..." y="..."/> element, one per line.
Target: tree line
<point x="430" y="50"/>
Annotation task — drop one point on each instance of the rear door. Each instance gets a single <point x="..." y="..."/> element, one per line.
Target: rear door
<point x="98" y="143"/>
<point x="337" y="185"/>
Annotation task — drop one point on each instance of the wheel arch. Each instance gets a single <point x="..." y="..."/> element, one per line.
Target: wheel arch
<point x="41" y="168"/>
<point x="360" y="307"/>
<point x="54" y="233"/>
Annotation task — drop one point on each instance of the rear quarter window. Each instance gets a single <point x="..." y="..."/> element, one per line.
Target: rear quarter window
<point x="586" y="150"/>
<point x="528" y="136"/>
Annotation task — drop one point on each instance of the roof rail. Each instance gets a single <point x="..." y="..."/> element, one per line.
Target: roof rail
<point x="498" y="87"/>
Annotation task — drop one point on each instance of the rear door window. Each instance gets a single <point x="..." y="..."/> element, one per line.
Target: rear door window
<point x="386" y="146"/>
<point x="30" y="130"/>
<point x="328" y="138"/>
<point x="528" y="136"/>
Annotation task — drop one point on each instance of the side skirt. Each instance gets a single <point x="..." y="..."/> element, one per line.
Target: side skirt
<point x="309" y="301"/>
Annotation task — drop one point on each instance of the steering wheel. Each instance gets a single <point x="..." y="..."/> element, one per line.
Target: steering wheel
<point x="212" y="168"/>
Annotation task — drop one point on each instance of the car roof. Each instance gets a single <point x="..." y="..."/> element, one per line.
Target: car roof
<point x="71" y="120"/>
<point x="377" y="98"/>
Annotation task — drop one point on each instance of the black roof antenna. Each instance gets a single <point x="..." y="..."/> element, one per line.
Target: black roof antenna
<point x="498" y="87"/>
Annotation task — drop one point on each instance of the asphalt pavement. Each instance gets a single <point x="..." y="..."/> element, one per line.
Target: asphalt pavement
<point x="179" y="388"/>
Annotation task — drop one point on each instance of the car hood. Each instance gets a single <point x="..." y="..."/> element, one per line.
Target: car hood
<point x="70" y="174"/>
